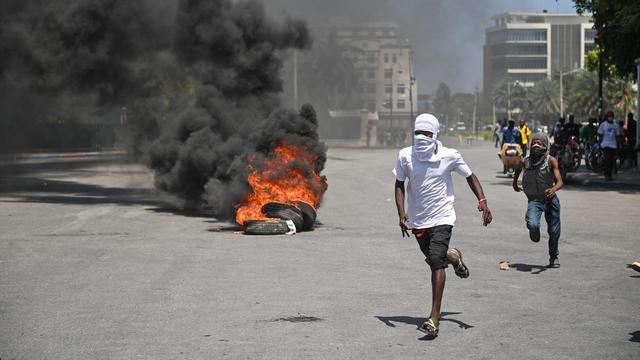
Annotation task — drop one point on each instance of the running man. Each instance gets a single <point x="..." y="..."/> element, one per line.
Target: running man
<point x="540" y="181"/>
<point x="427" y="165"/>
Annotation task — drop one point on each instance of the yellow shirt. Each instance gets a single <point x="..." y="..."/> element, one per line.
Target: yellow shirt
<point x="525" y="133"/>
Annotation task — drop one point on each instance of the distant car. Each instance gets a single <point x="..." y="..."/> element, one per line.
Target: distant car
<point x="460" y="126"/>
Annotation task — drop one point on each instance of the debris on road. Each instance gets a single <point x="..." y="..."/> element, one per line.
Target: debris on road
<point x="504" y="265"/>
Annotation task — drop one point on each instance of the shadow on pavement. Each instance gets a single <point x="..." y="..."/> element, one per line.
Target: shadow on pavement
<point x="417" y="321"/>
<point x="529" y="268"/>
<point x="37" y="190"/>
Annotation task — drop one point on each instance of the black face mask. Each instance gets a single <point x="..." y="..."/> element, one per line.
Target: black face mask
<point x="537" y="155"/>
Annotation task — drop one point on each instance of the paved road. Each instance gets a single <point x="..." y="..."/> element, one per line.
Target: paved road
<point x="95" y="265"/>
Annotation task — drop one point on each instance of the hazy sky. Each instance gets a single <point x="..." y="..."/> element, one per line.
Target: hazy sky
<point x="447" y="35"/>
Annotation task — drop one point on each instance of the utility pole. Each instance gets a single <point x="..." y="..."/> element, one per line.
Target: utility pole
<point x="508" y="98"/>
<point x="475" y="108"/>
<point x="411" y="88"/>
<point x="561" y="97"/>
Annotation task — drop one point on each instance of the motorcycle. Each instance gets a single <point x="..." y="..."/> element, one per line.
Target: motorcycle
<point x="568" y="156"/>
<point x="595" y="158"/>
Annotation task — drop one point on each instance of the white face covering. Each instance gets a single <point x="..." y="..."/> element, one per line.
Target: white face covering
<point x="426" y="148"/>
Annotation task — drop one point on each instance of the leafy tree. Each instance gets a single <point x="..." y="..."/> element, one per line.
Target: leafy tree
<point x="618" y="25"/>
<point x="442" y="102"/>
<point x="545" y="99"/>
<point x="328" y="76"/>
<point x="515" y="93"/>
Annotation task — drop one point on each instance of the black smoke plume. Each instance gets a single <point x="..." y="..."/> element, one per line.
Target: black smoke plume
<point x="200" y="78"/>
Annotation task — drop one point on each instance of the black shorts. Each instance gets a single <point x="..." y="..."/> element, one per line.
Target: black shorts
<point x="434" y="243"/>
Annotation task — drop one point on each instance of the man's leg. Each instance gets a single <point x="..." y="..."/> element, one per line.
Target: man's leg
<point x="532" y="217"/>
<point x="608" y="162"/>
<point x="552" y="216"/>
<point x="438" y="279"/>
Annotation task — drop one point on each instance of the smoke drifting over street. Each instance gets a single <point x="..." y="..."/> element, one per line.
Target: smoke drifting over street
<point x="201" y="80"/>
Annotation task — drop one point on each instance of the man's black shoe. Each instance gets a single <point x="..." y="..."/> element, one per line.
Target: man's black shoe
<point x="534" y="235"/>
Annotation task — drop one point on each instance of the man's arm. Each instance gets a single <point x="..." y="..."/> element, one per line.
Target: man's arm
<point x="556" y="175"/>
<point x="516" y="175"/>
<point x="474" y="185"/>
<point x="402" y="214"/>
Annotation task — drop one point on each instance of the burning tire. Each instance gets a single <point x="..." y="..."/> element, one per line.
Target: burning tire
<point x="266" y="227"/>
<point x="308" y="215"/>
<point x="284" y="212"/>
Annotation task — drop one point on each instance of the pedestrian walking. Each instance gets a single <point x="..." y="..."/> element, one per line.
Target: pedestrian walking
<point x="429" y="214"/>
<point x="497" y="131"/>
<point x="525" y="134"/>
<point x="609" y="134"/>
<point x="541" y="180"/>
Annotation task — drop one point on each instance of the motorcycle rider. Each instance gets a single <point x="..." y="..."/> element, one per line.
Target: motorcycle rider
<point x="511" y="135"/>
<point x="588" y="133"/>
<point x="572" y="128"/>
<point x="559" y="134"/>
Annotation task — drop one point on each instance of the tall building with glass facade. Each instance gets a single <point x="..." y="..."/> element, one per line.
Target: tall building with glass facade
<point x="525" y="47"/>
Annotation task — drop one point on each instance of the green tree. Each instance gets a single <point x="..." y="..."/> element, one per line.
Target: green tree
<point x="442" y="102"/>
<point x="544" y="98"/>
<point x="328" y="75"/>
<point x="618" y="25"/>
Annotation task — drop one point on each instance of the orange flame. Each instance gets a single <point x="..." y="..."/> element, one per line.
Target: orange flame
<point x="283" y="179"/>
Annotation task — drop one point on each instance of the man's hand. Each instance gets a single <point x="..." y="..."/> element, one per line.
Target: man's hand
<point x="404" y="225"/>
<point x="516" y="187"/>
<point x="550" y="192"/>
<point x="486" y="213"/>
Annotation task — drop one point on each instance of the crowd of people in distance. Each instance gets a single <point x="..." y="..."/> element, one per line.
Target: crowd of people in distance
<point x="617" y="138"/>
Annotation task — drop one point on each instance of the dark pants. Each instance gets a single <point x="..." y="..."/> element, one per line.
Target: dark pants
<point x="609" y="159"/>
<point x="551" y="210"/>
<point x="434" y="243"/>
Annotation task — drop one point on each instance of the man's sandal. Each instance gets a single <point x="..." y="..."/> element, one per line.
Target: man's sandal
<point x="429" y="327"/>
<point x="460" y="268"/>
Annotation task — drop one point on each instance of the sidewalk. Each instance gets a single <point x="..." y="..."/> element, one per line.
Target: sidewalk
<point x="624" y="180"/>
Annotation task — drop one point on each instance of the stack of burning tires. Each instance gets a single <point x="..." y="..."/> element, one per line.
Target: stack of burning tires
<point x="282" y="219"/>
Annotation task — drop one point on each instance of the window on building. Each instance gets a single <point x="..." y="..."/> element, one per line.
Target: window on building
<point x="386" y="58"/>
<point x="526" y="35"/>
<point x="371" y="104"/>
<point x="359" y="74"/>
<point x="400" y="104"/>
<point x="388" y="73"/>
<point x="371" y="74"/>
<point x="371" y="58"/>
<point x="589" y="35"/>
<point x="388" y="88"/>
<point x="371" y="88"/>
<point x="394" y="59"/>
<point x="400" y="89"/>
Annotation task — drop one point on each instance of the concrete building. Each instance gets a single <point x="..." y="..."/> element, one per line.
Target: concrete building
<point x="527" y="47"/>
<point x="384" y="67"/>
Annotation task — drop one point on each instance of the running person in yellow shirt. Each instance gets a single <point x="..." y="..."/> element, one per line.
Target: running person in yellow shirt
<point x="525" y="136"/>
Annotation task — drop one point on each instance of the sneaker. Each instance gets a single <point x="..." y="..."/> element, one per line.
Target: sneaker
<point x="554" y="263"/>
<point x="534" y="235"/>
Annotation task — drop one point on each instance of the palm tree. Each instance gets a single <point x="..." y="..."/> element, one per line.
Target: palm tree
<point x="544" y="98"/>
<point x="581" y="94"/>
<point x="620" y="96"/>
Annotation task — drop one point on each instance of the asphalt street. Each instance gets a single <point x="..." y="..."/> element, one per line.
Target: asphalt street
<point x="94" y="264"/>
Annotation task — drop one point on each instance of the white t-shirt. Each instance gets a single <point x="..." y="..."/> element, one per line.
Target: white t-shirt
<point x="430" y="193"/>
<point x="609" y="131"/>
